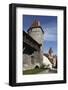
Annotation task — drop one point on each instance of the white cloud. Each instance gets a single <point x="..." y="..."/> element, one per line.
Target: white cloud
<point x="49" y="35"/>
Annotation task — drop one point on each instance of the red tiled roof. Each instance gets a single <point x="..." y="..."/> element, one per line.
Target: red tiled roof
<point x="36" y="23"/>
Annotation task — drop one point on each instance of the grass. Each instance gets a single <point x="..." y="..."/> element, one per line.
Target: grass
<point x="33" y="71"/>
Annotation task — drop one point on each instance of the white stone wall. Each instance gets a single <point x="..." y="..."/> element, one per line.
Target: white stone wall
<point x="27" y="60"/>
<point x="47" y="62"/>
<point x="37" y="34"/>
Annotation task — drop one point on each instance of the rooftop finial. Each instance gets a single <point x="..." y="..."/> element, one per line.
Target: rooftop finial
<point x="35" y="23"/>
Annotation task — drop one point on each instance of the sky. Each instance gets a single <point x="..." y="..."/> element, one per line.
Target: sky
<point x="49" y="26"/>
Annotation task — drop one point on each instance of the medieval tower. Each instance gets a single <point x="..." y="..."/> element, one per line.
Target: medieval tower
<point x="37" y="33"/>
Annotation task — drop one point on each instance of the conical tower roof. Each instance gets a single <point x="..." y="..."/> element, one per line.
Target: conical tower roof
<point x="35" y="24"/>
